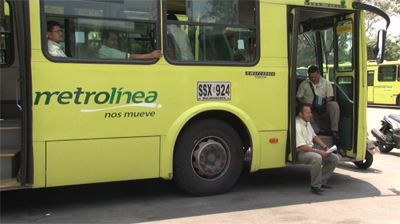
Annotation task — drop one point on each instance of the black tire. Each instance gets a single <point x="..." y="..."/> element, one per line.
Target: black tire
<point x="384" y="148"/>
<point x="367" y="162"/>
<point x="215" y="174"/>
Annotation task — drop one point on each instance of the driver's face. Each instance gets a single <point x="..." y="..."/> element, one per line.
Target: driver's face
<point x="112" y="41"/>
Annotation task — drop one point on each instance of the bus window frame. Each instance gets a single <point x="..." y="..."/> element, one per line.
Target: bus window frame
<point x="44" y="48"/>
<point x="255" y="27"/>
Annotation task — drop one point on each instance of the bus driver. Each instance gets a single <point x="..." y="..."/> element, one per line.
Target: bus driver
<point x="109" y="48"/>
<point x="54" y="38"/>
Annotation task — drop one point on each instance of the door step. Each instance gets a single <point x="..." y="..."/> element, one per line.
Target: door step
<point x="10" y="134"/>
<point x="328" y="140"/>
<point x="10" y="160"/>
<point x="10" y="147"/>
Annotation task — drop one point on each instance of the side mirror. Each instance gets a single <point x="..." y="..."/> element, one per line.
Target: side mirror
<point x="379" y="49"/>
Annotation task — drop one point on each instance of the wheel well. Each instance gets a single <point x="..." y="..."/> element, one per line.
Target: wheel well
<point x="228" y="118"/>
<point x="398" y="100"/>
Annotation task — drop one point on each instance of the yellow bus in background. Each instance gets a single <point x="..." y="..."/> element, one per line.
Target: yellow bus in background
<point x="384" y="82"/>
<point x="86" y="119"/>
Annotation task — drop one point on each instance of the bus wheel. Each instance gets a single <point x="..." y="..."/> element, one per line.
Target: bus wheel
<point x="208" y="158"/>
<point x="367" y="162"/>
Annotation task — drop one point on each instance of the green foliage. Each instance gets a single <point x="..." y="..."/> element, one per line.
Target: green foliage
<point x="392" y="49"/>
<point x="392" y="8"/>
<point x="306" y="55"/>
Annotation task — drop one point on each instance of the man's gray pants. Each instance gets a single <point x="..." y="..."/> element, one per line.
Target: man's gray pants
<point x="321" y="168"/>
<point x="332" y="112"/>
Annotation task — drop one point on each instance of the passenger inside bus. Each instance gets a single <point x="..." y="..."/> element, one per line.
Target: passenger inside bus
<point x="109" y="48"/>
<point x="323" y="88"/>
<point x="237" y="56"/>
<point x="251" y="49"/>
<point x="181" y="39"/>
<point x="240" y="53"/>
<point x="54" y="38"/>
<point x="233" y="42"/>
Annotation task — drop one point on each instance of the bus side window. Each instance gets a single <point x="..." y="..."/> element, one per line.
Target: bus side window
<point x="398" y="73"/>
<point x="84" y="22"/>
<point x="6" y="45"/>
<point x="387" y="73"/>
<point x="370" y="78"/>
<point x="211" y="39"/>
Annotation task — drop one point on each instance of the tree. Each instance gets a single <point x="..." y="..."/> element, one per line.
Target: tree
<point x="392" y="49"/>
<point x="392" y="8"/>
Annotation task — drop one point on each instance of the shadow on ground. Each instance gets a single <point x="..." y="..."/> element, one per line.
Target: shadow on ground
<point x="152" y="200"/>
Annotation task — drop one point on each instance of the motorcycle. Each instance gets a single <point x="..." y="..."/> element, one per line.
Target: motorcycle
<point x="388" y="136"/>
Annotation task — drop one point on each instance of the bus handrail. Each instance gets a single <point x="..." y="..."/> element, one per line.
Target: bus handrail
<point x="342" y="91"/>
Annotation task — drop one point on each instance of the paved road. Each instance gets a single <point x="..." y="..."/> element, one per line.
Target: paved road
<point x="269" y="196"/>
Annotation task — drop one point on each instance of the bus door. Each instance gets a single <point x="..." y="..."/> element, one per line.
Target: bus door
<point x="13" y="116"/>
<point x="397" y="85"/>
<point x="321" y="36"/>
<point x="347" y="85"/>
<point x="370" y="77"/>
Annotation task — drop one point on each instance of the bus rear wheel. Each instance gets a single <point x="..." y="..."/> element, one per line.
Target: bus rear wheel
<point x="208" y="158"/>
<point x="367" y="162"/>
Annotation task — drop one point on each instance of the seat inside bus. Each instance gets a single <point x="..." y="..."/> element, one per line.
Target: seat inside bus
<point x="216" y="47"/>
<point x="173" y="49"/>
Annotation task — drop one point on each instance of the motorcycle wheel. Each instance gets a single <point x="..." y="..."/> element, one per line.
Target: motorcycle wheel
<point x="367" y="162"/>
<point x="384" y="148"/>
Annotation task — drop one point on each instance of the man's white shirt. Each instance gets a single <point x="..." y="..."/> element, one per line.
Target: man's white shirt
<point x="323" y="88"/>
<point x="304" y="133"/>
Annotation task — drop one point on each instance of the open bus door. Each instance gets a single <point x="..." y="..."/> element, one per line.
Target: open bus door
<point x="351" y="86"/>
<point x="348" y="86"/>
<point x="13" y="97"/>
<point x="312" y="28"/>
<point x="293" y="33"/>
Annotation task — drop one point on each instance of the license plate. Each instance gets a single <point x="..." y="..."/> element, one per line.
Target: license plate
<point x="213" y="91"/>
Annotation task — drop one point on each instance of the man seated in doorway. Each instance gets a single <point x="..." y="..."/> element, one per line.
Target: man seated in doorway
<point x="109" y="48"/>
<point x="181" y="38"/>
<point x="322" y="87"/>
<point x="54" y="38"/>
<point x="321" y="163"/>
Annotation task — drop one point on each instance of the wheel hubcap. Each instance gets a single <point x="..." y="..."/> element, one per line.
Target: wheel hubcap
<point x="209" y="159"/>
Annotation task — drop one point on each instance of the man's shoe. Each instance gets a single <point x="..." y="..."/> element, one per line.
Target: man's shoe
<point x="326" y="186"/>
<point x="335" y="135"/>
<point x="317" y="190"/>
